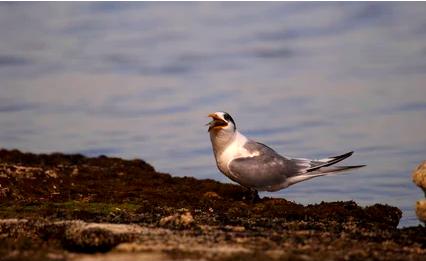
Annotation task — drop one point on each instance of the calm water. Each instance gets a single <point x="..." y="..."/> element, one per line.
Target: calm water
<point x="308" y="79"/>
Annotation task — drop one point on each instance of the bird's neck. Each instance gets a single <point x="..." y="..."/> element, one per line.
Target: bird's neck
<point x="221" y="139"/>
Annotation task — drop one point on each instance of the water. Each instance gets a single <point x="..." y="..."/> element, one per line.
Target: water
<point x="308" y="79"/>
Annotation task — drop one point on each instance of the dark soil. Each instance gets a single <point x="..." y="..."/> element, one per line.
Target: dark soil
<point x="44" y="189"/>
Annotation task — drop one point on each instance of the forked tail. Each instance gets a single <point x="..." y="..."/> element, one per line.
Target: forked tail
<point x="322" y="163"/>
<point x="323" y="167"/>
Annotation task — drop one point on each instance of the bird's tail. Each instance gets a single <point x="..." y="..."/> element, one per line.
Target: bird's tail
<point x="323" y="167"/>
<point x="323" y="163"/>
<point x="334" y="169"/>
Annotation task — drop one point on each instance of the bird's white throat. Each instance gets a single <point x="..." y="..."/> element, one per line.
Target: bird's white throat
<point x="221" y="140"/>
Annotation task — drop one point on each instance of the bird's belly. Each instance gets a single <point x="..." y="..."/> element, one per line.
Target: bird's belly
<point x="260" y="181"/>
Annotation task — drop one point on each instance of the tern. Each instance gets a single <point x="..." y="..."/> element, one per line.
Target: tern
<point x="258" y="167"/>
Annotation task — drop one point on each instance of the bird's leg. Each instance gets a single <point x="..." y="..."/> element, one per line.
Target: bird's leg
<point x="253" y="196"/>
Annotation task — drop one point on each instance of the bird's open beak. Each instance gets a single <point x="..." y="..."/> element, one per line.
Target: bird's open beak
<point x="216" y="122"/>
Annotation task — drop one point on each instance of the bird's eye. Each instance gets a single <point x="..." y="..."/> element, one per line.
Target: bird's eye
<point x="228" y="118"/>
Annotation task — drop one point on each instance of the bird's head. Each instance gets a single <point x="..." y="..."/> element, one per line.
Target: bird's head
<point x="221" y="121"/>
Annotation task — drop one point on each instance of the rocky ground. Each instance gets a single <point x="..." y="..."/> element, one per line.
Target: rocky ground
<point x="70" y="207"/>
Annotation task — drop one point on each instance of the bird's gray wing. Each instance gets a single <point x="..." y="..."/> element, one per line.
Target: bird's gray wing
<point x="267" y="169"/>
<point x="271" y="171"/>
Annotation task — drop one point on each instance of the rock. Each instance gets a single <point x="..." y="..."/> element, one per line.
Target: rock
<point x="419" y="176"/>
<point x="91" y="238"/>
<point x="234" y="228"/>
<point x="51" y="173"/>
<point x="421" y="210"/>
<point x="211" y="195"/>
<point x="3" y="192"/>
<point x="203" y="219"/>
<point x="183" y="220"/>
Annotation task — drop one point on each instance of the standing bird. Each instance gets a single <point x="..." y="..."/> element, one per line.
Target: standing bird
<point x="257" y="166"/>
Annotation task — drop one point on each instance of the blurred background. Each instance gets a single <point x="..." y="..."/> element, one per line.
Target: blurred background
<point x="137" y="80"/>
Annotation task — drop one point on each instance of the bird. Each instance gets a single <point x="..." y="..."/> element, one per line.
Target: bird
<point x="258" y="167"/>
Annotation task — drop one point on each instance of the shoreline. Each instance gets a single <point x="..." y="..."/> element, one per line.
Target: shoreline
<point x="71" y="204"/>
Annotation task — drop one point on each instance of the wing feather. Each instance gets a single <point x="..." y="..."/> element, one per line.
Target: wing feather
<point x="266" y="169"/>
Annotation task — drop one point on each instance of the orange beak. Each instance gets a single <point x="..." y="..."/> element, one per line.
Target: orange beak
<point x="214" y="116"/>
<point x="216" y="122"/>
